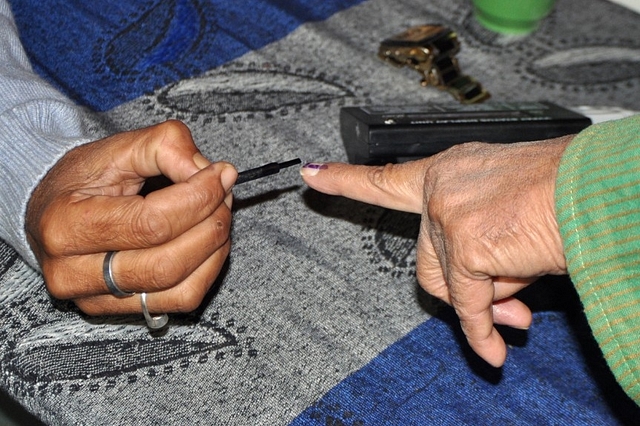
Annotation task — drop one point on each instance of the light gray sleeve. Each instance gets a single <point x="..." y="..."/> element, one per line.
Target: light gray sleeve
<point x="38" y="125"/>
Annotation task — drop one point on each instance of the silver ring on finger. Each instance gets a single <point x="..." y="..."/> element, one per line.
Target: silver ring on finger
<point x="107" y="273"/>
<point x="153" y="322"/>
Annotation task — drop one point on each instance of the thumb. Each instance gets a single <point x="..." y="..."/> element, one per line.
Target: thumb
<point x="394" y="186"/>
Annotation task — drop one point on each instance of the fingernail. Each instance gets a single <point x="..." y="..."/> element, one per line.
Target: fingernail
<point x="312" y="169"/>
<point x="228" y="200"/>
<point x="228" y="177"/>
<point x="200" y="160"/>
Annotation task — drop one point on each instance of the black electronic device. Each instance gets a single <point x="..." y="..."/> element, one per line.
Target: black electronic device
<point x="394" y="134"/>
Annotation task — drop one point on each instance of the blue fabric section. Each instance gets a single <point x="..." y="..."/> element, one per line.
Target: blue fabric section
<point x="103" y="53"/>
<point x="428" y="378"/>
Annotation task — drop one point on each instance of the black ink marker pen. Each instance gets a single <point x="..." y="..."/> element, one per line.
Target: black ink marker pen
<point x="266" y="170"/>
<point x="158" y="182"/>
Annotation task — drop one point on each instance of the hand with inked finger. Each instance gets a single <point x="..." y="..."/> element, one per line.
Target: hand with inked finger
<point x="99" y="242"/>
<point x="488" y="225"/>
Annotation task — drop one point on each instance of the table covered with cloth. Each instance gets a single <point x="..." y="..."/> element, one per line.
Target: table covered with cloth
<point x="318" y="318"/>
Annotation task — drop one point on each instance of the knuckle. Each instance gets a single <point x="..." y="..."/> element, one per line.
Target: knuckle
<point x="173" y="131"/>
<point x="431" y="173"/>
<point x="173" y="127"/>
<point x="153" y="227"/>
<point x="471" y="260"/>
<point x="205" y="200"/>
<point x="165" y="271"/>
<point x="433" y="284"/>
<point x="56" y="281"/>
<point x="189" y="300"/>
<point x="190" y="304"/>
<point x="52" y="238"/>
<point x="379" y="176"/>
<point x="57" y="290"/>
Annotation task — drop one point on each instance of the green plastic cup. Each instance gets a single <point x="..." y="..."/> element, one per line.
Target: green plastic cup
<point x="511" y="16"/>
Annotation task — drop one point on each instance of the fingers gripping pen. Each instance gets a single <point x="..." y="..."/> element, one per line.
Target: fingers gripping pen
<point x="159" y="182"/>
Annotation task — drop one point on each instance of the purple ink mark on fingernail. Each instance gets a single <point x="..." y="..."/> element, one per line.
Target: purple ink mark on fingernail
<point x="316" y="166"/>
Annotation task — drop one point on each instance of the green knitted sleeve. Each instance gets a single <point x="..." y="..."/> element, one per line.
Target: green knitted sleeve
<point x="598" y="211"/>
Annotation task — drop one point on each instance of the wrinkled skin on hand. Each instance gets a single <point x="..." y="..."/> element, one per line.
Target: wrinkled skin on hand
<point x="488" y="225"/>
<point x="171" y="243"/>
